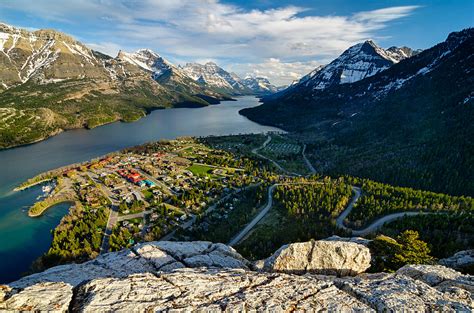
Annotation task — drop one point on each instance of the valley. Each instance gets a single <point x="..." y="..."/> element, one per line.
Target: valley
<point x="103" y="155"/>
<point x="188" y="189"/>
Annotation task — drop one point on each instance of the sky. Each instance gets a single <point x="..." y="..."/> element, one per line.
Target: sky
<point x="280" y="40"/>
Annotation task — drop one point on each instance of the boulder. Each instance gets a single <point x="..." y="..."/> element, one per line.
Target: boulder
<point x="462" y="260"/>
<point x="325" y="257"/>
<point x="400" y="293"/>
<point x="202" y="276"/>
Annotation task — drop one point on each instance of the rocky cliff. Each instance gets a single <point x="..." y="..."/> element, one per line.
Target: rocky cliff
<point x="203" y="276"/>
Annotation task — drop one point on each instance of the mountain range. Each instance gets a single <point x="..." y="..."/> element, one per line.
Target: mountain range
<point x="408" y="124"/>
<point x="50" y="82"/>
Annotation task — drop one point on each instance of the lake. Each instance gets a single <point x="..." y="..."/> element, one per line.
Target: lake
<point x="23" y="239"/>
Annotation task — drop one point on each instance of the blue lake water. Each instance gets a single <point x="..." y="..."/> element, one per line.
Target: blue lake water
<point x="23" y="239"/>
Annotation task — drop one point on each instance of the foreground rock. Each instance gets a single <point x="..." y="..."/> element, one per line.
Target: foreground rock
<point x="327" y="257"/>
<point x="202" y="276"/>
<point x="463" y="261"/>
<point x="142" y="258"/>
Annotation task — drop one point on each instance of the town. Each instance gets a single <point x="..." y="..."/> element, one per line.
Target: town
<point x="147" y="192"/>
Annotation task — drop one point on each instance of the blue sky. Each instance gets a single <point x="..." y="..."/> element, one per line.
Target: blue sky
<point x="281" y="40"/>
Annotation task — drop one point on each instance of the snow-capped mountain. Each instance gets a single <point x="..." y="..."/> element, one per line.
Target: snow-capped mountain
<point x="358" y="62"/>
<point x="259" y="85"/>
<point x="147" y="60"/>
<point x="212" y="75"/>
<point x="432" y="73"/>
<point x="56" y="82"/>
<point x="44" y="55"/>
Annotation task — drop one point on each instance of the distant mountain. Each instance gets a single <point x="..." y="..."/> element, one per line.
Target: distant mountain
<point x="169" y="75"/>
<point x="259" y="85"/>
<point x="50" y="82"/>
<point x="213" y="76"/>
<point x="410" y="124"/>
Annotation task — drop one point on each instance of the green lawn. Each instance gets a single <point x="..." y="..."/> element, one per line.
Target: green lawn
<point x="200" y="170"/>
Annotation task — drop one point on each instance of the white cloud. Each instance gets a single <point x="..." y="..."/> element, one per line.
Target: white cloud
<point x="280" y="73"/>
<point x="108" y="48"/>
<point x="209" y="29"/>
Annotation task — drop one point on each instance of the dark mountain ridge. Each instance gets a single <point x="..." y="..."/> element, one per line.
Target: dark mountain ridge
<point x="410" y="124"/>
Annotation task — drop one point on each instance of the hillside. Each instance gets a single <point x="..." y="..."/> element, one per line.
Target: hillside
<point x="408" y="125"/>
<point x="51" y="82"/>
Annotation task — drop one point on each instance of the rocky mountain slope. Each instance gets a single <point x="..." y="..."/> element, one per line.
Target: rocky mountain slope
<point x="358" y="62"/>
<point x="408" y="119"/>
<point x="50" y="82"/>
<point x="205" y="276"/>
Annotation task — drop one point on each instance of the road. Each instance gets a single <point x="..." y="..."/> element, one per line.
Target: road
<point x="340" y="219"/>
<point x="308" y="163"/>
<point x="256" y="219"/>
<point x="385" y="219"/>
<point x="113" y="216"/>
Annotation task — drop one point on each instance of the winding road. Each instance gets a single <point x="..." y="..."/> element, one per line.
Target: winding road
<point x="308" y="163"/>
<point x="340" y="219"/>
<point x="256" y="219"/>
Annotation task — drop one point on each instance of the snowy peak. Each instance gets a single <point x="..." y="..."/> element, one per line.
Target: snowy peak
<point x="358" y="62"/>
<point x="259" y="85"/>
<point x="147" y="60"/>
<point x="212" y="75"/>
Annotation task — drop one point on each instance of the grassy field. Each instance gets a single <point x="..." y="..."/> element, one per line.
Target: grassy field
<point x="200" y="170"/>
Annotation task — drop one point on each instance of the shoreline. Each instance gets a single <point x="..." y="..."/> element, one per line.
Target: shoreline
<point x="147" y="111"/>
<point x="43" y="210"/>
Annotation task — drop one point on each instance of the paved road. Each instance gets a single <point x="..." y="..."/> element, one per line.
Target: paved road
<point x="345" y="213"/>
<point x="256" y="219"/>
<point x="308" y="163"/>
<point x="387" y="218"/>
<point x="263" y="211"/>
<point x="104" y="247"/>
<point x="377" y="223"/>
<point x="113" y="216"/>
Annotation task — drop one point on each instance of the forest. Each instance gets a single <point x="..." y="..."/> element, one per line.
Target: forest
<point x="379" y="199"/>
<point x="77" y="238"/>
<point x="299" y="213"/>
<point x="445" y="234"/>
